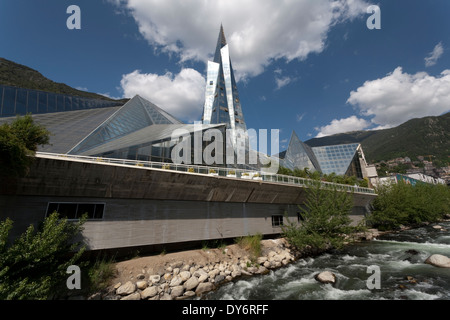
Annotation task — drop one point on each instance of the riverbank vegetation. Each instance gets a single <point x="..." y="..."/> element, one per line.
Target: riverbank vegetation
<point x="403" y="204"/>
<point x="325" y="221"/>
<point x="34" y="266"/>
<point x="331" y="177"/>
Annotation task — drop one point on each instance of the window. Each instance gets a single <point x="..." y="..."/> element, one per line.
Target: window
<point x="277" y="221"/>
<point x="71" y="210"/>
<point x="211" y="83"/>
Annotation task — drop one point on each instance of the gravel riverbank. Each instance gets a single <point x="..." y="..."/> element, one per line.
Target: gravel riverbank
<point x="187" y="274"/>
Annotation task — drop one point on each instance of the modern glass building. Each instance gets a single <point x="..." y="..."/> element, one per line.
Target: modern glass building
<point x="20" y="101"/>
<point x="222" y="103"/>
<point x="140" y="130"/>
<point x="345" y="159"/>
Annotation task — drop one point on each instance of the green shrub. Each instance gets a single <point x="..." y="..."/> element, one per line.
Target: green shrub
<point x="326" y="220"/>
<point x="404" y="204"/>
<point x="34" y="266"/>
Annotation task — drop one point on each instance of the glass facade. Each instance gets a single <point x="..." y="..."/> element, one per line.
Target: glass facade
<point x="19" y="101"/>
<point x="157" y="143"/>
<point x="222" y="103"/>
<point x="339" y="159"/>
<point x="136" y="114"/>
<point x="299" y="155"/>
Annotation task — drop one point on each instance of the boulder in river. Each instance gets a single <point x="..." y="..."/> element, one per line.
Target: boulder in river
<point x="438" y="260"/>
<point x="326" y="277"/>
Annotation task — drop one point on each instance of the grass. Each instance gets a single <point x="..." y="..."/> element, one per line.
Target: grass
<point x="251" y="243"/>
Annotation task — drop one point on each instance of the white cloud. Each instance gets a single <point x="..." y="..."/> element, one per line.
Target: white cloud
<point x="258" y="32"/>
<point x="283" y="81"/>
<point x="352" y="123"/>
<point x="182" y="95"/>
<point x="434" y="55"/>
<point x="399" y="97"/>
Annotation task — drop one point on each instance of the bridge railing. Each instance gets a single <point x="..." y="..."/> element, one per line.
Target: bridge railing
<point x="212" y="171"/>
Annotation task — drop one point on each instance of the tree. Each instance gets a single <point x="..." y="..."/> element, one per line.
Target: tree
<point x="34" y="266"/>
<point x="18" y="144"/>
<point x="326" y="219"/>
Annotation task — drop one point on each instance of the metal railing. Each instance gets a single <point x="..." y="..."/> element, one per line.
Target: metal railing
<point x="211" y="171"/>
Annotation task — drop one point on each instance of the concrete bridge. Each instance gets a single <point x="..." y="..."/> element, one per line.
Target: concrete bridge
<point x="145" y="204"/>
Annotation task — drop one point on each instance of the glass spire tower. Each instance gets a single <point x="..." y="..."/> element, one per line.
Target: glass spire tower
<point x="222" y="103"/>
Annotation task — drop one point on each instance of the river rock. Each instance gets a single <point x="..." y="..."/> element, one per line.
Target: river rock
<point x="176" y="281"/>
<point x="141" y="285"/>
<point x="204" y="287"/>
<point x="191" y="283"/>
<point x="133" y="296"/>
<point x="126" y="289"/>
<point x="156" y="278"/>
<point x="326" y="277"/>
<point x="184" y="275"/>
<point x="177" y="291"/>
<point x="149" y="292"/>
<point x="438" y="260"/>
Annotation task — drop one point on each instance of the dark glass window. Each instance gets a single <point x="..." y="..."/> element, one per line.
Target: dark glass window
<point x="71" y="210"/>
<point x="277" y="221"/>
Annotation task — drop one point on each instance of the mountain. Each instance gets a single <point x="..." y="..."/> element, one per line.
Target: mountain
<point x="416" y="137"/>
<point x="17" y="75"/>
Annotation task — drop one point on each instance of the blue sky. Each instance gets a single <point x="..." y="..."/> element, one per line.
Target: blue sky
<point x="311" y="66"/>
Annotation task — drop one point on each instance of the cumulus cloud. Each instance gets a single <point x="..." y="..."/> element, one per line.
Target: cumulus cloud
<point x="258" y="32"/>
<point x="182" y="95"/>
<point x="434" y="55"/>
<point x="352" y="123"/>
<point x="399" y="97"/>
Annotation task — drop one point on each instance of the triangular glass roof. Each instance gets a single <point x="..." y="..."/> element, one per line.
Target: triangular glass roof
<point x="136" y="114"/>
<point x="335" y="158"/>
<point x="299" y="155"/>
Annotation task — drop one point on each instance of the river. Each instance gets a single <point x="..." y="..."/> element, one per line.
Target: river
<point x="395" y="256"/>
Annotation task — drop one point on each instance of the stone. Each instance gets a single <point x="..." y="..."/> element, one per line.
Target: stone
<point x="168" y="276"/>
<point x="219" y="279"/>
<point x="184" y="275"/>
<point x="126" y="289"/>
<point x="177" y="291"/>
<point x="141" y="285"/>
<point x="133" y="296"/>
<point x="204" y="287"/>
<point x="140" y="276"/>
<point x="149" y="292"/>
<point x="176" y="281"/>
<point x="326" y="277"/>
<point x="191" y="283"/>
<point x="155" y="278"/>
<point x="203" y="278"/>
<point x="165" y="296"/>
<point x="189" y="294"/>
<point x="438" y="260"/>
<point x="262" y="260"/>
<point x="236" y="273"/>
